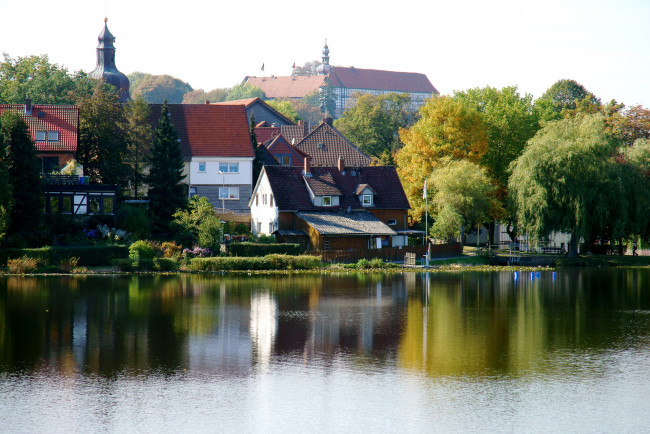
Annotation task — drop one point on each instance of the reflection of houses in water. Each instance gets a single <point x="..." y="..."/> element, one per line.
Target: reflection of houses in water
<point x="263" y="326"/>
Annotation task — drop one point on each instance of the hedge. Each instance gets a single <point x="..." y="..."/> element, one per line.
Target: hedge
<point x="268" y="262"/>
<point x="248" y="249"/>
<point x="89" y="256"/>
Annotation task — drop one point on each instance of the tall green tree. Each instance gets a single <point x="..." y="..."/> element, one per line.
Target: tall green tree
<point x="102" y="142"/>
<point x="6" y="190"/>
<point x="564" y="98"/>
<point x="464" y="193"/>
<point x="372" y="122"/>
<point x="568" y="180"/>
<point x="139" y="136"/>
<point x="24" y="172"/>
<point x="156" y="88"/>
<point x="243" y="91"/>
<point x="285" y="107"/>
<point x="447" y="129"/>
<point x="166" y="194"/>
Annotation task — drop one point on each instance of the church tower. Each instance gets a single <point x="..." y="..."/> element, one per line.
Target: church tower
<point x="106" y="69"/>
<point x="325" y="68"/>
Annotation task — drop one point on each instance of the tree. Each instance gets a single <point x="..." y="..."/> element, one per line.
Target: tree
<point x="308" y="69"/>
<point x="372" y="122"/>
<point x="200" y="96"/>
<point x="563" y="98"/>
<point x="463" y="192"/>
<point x="36" y="77"/>
<point x="156" y="88"/>
<point x="138" y="137"/>
<point x="630" y="124"/>
<point x="102" y="142"/>
<point x="447" y="129"/>
<point x="567" y="180"/>
<point x="198" y="224"/>
<point x="166" y="194"/>
<point x="285" y="107"/>
<point x="24" y="173"/>
<point x="6" y="190"/>
<point x="307" y="112"/>
<point x="243" y="91"/>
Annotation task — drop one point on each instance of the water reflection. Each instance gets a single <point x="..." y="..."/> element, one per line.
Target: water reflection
<point x="440" y="325"/>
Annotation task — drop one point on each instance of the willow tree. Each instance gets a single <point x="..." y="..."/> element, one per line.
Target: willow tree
<point x="569" y="180"/>
<point x="447" y="129"/>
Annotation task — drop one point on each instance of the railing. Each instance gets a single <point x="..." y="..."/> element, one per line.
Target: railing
<point x="63" y="179"/>
<point x="392" y="254"/>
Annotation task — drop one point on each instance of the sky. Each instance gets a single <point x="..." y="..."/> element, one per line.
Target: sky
<point x="602" y="44"/>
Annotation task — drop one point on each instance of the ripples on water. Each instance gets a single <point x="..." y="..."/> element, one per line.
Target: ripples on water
<point x="459" y="353"/>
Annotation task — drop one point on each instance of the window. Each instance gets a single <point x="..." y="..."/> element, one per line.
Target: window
<point x="201" y="166"/>
<point x="94" y="203"/>
<point x="366" y="200"/>
<point x="229" y="167"/>
<point x="257" y="199"/>
<point x="327" y="200"/>
<point x="285" y="160"/>
<point x="264" y="199"/>
<point x="392" y="222"/>
<point x="192" y="191"/>
<point x="108" y="204"/>
<point x="259" y="227"/>
<point x="271" y="199"/>
<point x="53" y="136"/>
<point x="270" y="227"/>
<point x="40" y="136"/>
<point x="229" y="193"/>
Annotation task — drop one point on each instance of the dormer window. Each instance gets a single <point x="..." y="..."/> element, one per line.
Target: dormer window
<point x="366" y="199"/>
<point x="41" y="136"/>
<point x="327" y="201"/>
<point x="53" y="136"/>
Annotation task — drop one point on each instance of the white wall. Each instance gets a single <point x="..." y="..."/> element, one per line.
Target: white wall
<point x="211" y="175"/>
<point x="263" y="213"/>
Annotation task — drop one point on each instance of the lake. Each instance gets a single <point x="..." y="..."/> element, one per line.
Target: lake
<point x="408" y="352"/>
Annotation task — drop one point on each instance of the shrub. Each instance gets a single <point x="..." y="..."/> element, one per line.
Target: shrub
<point x="123" y="264"/>
<point x="22" y="265"/>
<point x="363" y="263"/>
<point x="209" y="234"/>
<point x="166" y="264"/>
<point x="69" y="264"/>
<point x="242" y="229"/>
<point x="257" y="249"/>
<point x="135" y="220"/>
<point x="141" y="253"/>
<point x="265" y="239"/>
<point x="171" y="249"/>
<point x="376" y="263"/>
<point x="196" y="252"/>
<point x="269" y="262"/>
<point x="89" y="256"/>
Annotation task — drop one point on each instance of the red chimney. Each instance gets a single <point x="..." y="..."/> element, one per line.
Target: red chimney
<point x="307" y="166"/>
<point x="341" y="164"/>
<point x="207" y="101"/>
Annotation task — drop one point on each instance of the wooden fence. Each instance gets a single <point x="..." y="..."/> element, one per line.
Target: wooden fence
<point x="391" y="254"/>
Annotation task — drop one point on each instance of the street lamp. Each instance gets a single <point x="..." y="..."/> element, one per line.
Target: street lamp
<point x="223" y="192"/>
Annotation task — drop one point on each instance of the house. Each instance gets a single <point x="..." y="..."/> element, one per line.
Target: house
<point x="256" y="107"/>
<point x="323" y="143"/>
<point x="218" y="152"/>
<point x="54" y="130"/>
<point x="343" y="82"/>
<point x="331" y="208"/>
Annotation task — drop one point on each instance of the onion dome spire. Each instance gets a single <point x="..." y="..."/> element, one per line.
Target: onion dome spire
<point x="106" y="69"/>
<point x="325" y="68"/>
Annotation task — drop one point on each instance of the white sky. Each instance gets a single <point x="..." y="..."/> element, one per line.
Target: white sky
<point x="602" y="44"/>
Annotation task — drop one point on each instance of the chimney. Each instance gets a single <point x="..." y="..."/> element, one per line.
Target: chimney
<point x="301" y="122"/>
<point x="328" y="120"/>
<point x="28" y="105"/>
<point x="307" y="170"/>
<point x="207" y="101"/>
<point x="341" y="164"/>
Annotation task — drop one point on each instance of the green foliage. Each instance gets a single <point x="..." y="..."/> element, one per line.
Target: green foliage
<point x="243" y="91"/>
<point x="158" y="88"/>
<point x="102" y="142"/>
<point x="6" y="190"/>
<point x="24" y="174"/>
<point x="166" y="264"/>
<point x="269" y="262"/>
<point x="447" y="129"/>
<point x="171" y="249"/>
<point x="89" y="256"/>
<point x="372" y="122"/>
<point x="200" y="96"/>
<point x="259" y="249"/>
<point x="308" y="69"/>
<point x="141" y="249"/>
<point x="447" y="224"/>
<point x="165" y="174"/>
<point x="285" y="107"/>
<point x="567" y="180"/>
<point x="22" y="265"/>
<point x="138" y="136"/>
<point x="36" y="77"/>
<point x="197" y="220"/>
<point x="265" y="239"/>
<point x="565" y="97"/>
<point x="209" y="234"/>
<point x="242" y="229"/>
<point x="134" y="220"/>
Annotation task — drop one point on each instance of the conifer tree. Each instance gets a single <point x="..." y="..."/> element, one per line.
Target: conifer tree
<point x="5" y="192"/>
<point x="166" y="194"/>
<point x="24" y="173"/>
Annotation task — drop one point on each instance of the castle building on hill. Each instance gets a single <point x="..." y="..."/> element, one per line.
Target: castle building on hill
<point x="106" y="69"/>
<point x="343" y="82"/>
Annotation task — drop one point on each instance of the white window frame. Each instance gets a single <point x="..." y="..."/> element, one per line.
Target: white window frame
<point x="232" y="193"/>
<point x="264" y="199"/>
<point x="329" y="199"/>
<point x="392" y="222"/>
<point x="226" y="167"/>
<point x="202" y="166"/>
<point x="366" y="199"/>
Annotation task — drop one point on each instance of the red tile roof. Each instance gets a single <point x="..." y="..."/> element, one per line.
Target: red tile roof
<point x="287" y="86"/>
<point x="291" y="193"/>
<point x="356" y="78"/>
<point x="325" y="144"/>
<point x="280" y="146"/>
<point x="61" y="118"/>
<point x="264" y="134"/>
<point x="209" y="130"/>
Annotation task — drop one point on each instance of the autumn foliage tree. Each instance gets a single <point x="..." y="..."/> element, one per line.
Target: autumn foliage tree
<point x="447" y="129"/>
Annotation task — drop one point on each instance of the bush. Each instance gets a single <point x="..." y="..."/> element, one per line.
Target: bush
<point x="242" y="229"/>
<point x="269" y="262"/>
<point x="141" y="254"/>
<point x="166" y="264"/>
<point x="209" y="234"/>
<point x="89" y="256"/>
<point x="69" y="265"/>
<point x="171" y="249"/>
<point x="22" y="265"/>
<point x="257" y="249"/>
<point x="134" y="220"/>
<point x="363" y="263"/>
<point x="265" y="239"/>
<point x="123" y="264"/>
<point x="377" y="263"/>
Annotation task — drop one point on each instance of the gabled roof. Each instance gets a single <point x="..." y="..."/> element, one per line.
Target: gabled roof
<point x="264" y="134"/>
<point x="279" y="145"/>
<point x="291" y="192"/>
<point x="346" y="223"/>
<point x="267" y="158"/>
<point x="322" y="184"/>
<point x="295" y="133"/>
<point x="325" y="144"/>
<point x="356" y="78"/>
<point x="250" y="102"/>
<point x="362" y="187"/>
<point x="209" y="130"/>
<point x="49" y="117"/>
<point x="287" y="86"/>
